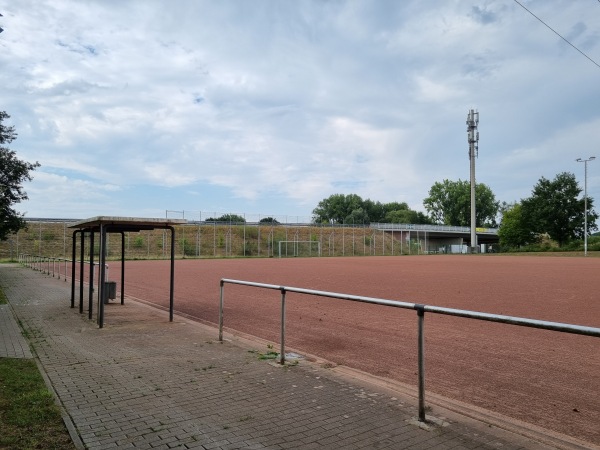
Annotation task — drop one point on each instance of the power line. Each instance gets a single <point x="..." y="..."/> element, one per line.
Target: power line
<point x="558" y="34"/>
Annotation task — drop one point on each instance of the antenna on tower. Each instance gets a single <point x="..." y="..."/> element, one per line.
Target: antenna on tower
<point x="472" y="133"/>
<point x="473" y="139"/>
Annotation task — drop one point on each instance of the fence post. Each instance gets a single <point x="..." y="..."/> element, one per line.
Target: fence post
<point x="421" y="344"/>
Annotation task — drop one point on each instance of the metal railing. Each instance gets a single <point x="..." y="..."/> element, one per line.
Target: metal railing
<point x="430" y="228"/>
<point x="57" y="267"/>
<point x="46" y="264"/>
<point x="419" y="308"/>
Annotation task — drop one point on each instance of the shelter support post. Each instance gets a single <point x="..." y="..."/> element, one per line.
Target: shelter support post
<point x="91" y="287"/>
<point x="74" y="253"/>
<point x="102" y="275"/>
<point x="81" y="272"/>
<point x="122" y="267"/>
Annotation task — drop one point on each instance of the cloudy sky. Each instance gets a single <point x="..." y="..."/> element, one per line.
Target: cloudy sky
<point x="266" y="107"/>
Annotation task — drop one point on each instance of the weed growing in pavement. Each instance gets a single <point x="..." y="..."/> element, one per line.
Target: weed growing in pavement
<point x="268" y="355"/>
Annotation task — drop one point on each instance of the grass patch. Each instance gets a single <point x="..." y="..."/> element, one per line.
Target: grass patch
<point x="3" y="300"/>
<point x="29" y="418"/>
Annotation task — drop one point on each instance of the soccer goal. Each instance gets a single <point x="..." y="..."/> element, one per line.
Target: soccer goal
<point x="291" y="249"/>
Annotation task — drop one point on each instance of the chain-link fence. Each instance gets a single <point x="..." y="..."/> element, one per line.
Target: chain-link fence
<point x="216" y="240"/>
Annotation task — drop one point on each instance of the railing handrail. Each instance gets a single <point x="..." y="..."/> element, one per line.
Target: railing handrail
<point x="421" y="310"/>
<point x="512" y="320"/>
<point x="37" y="262"/>
<point x="430" y="228"/>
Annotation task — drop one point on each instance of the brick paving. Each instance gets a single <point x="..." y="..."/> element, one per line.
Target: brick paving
<point x="12" y="342"/>
<point x="145" y="382"/>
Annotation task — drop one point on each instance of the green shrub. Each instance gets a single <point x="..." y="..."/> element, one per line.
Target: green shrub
<point x="138" y="242"/>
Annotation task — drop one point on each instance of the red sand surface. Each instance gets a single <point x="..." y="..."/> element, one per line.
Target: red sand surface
<point x="545" y="378"/>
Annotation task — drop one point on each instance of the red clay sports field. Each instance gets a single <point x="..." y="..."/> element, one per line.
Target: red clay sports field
<point x="546" y="378"/>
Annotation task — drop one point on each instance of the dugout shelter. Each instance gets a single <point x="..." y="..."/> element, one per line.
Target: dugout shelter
<point x="102" y="225"/>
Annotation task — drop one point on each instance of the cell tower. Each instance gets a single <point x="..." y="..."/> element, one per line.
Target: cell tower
<point x="473" y="139"/>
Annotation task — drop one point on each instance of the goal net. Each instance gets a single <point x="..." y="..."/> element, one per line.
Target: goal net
<point x="291" y="249"/>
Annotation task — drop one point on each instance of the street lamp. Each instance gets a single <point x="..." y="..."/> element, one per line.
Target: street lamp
<point x="585" y="233"/>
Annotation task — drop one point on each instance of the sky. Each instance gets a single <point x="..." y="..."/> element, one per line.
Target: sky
<point x="195" y="108"/>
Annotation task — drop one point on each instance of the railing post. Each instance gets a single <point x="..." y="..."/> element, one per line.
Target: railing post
<point x="421" y="345"/>
<point x="282" y="357"/>
<point x="221" y="312"/>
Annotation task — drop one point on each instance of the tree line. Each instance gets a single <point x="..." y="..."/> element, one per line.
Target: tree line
<point x="555" y="210"/>
<point x="352" y="209"/>
<point x="448" y="203"/>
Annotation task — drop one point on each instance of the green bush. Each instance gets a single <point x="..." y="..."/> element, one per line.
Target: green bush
<point x="48" y="236"/>
<point x="594" y="243"/>
<point x="138" y="242"/>
<point x="189" y="248"/>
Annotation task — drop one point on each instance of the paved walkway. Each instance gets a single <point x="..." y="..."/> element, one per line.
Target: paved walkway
<point x="143" y="382"/>
<point x="12" y="342"/>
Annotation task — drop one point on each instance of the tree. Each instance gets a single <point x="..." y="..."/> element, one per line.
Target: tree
<point x="449" y="203"/>
<point x="358" y="216"/>
<point x="13" y="172"/>
<point x="513" y="231"/>
<point x="269" y="220"/>
<point x="336" y="207"/>
<point x="555" y="208"/>
<point x="233" y="218"/>
<point x="351" y="209"/>
<point x="406" y="216"/>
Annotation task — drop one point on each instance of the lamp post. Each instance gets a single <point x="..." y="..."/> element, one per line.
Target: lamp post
<point x="585" y="233"/>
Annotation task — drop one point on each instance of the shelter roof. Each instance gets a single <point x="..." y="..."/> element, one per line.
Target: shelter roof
<point x="126" y="223"/>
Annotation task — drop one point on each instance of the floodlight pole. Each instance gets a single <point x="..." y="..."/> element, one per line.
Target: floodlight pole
<point x="473" y="139"/>
<point x="585" y="232"/>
